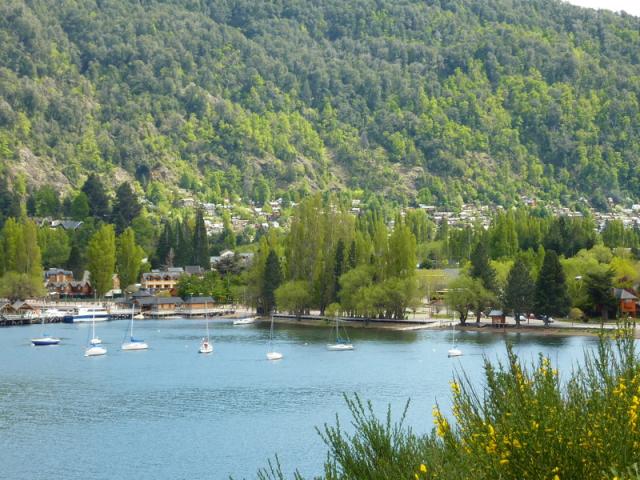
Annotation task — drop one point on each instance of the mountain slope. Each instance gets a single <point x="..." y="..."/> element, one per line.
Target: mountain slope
<point x="449" y="100"/>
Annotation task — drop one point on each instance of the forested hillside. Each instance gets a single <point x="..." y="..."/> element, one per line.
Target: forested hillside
<point x="440" y="100"/>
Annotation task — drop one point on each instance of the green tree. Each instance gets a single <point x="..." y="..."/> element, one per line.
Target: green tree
<point x="293" y="297"/>
<point x="47" y="202"/>
<point x="551" y="295"/>
<point x="101" y="259"/>
<point x="80" y="208"/>
<point x="129" y="258"/>
<point x="519" y="292"/>
<point x="481" y="268"/>
<point x="55" y="246"/>
<point x="467" y="293"/>
<point x="97" y="197"/>
<point x="126" y="207"/>
<point x="20" y="286"/>
<point x="599" y="287"/>
<point x="272" y="279"/>
<point x="201" y="243"/>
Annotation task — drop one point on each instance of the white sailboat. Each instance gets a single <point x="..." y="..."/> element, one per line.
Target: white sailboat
<point x="271" y="353"/>
<point x="454" y="351"/>
<point x="341" y="344"/>
<point x="95" y="347"/>
<point x="46" y="339"/>
<point x="134" y="343"/>
<point x="206" y="346"/>
<point x="245" y="321"/>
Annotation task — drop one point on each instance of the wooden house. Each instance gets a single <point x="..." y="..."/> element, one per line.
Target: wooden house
<point x="627" y="302"/>
<point x="196" y="306"/>
<point x="498" y="318"/>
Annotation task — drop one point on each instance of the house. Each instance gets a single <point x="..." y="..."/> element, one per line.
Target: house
<point x="194" y="306"/>
<point x="627" y="302"/>
<point x="62" y="284"/>
<point x="159" y="306"/>
<point x="161" y="279"/>
<point x="196" y="270"/>
<point x="66" y="224"/>
<point x="19" y="309"/>
<point x="498" y="318"/>
<point x="57" y="275"/>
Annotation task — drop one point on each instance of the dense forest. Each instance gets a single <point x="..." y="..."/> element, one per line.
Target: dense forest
<point x="426" y="100"/>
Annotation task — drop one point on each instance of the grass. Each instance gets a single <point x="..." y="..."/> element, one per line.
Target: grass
<point x="523" y="423"/>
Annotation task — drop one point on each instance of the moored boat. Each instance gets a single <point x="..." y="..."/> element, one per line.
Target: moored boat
<point x="87" y="314"/>
<point x="45" y="340"/>
<point x="245" y="321"/>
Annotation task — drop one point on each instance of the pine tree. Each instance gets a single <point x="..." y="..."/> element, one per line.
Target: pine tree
<point x="125" y="208"/>
<point x="97" y="196"/>
<point x="481" y="268"/>
<point x="165" y="242"/>
<point x="520" y="290"/>
<point x="79" y="208"/>
<point x="101" y="256"/>
<point x="201" y="243"/>
<point x="551" y="295"/>
<point x="272" y="280"/>
<point x="129" y="258"/>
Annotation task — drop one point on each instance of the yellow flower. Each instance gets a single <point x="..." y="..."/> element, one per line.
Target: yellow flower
<point x="455" y="388"/>
<point x="504" y="461"/>
<point x="423" y="468"/>
<point x="556" y="477"/>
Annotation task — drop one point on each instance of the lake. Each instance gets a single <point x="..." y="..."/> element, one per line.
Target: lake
<point x="171" y="413"/>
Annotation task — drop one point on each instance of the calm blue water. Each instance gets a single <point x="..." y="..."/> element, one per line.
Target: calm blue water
<point x="170" y="413"/>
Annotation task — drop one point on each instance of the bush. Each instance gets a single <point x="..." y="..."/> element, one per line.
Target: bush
<point x="576" y="314"/>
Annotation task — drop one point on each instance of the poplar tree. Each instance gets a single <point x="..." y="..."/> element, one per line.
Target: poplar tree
<point x="129" y="258"/>
<point x="338" y="269"/>
<point x="101" y="254"/>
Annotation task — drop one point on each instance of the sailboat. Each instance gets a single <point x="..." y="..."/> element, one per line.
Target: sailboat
<point x="341" y="344"/>
<point x="205" y="345"/>
<point x="454" y="351"/>
<point x="95" y="347"/>
<point x="134" y="343"/>
<point x="271" y="353"/>
<point x="46" y="339"/>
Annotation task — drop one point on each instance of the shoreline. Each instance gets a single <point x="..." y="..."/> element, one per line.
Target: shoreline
<point x="588" y="330"/>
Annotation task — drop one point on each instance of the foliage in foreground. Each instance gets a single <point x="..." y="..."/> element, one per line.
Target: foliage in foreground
<point x="526" y="423"/>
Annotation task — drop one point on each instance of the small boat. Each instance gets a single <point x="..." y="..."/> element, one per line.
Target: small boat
<point x="271" y="353"/>
<point x="133" y="343"/>
<point x="139" y="316"/>
<point x="54" y="313"/>
<point x="245" y="321"/>
<point x="205" y="345"/>
<point x="94" y="351"/>
<point x="45" y="340"/>
<point x="341" y="344"/>
<point x="454" y="351"/>
<point x="87" y="314"/>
